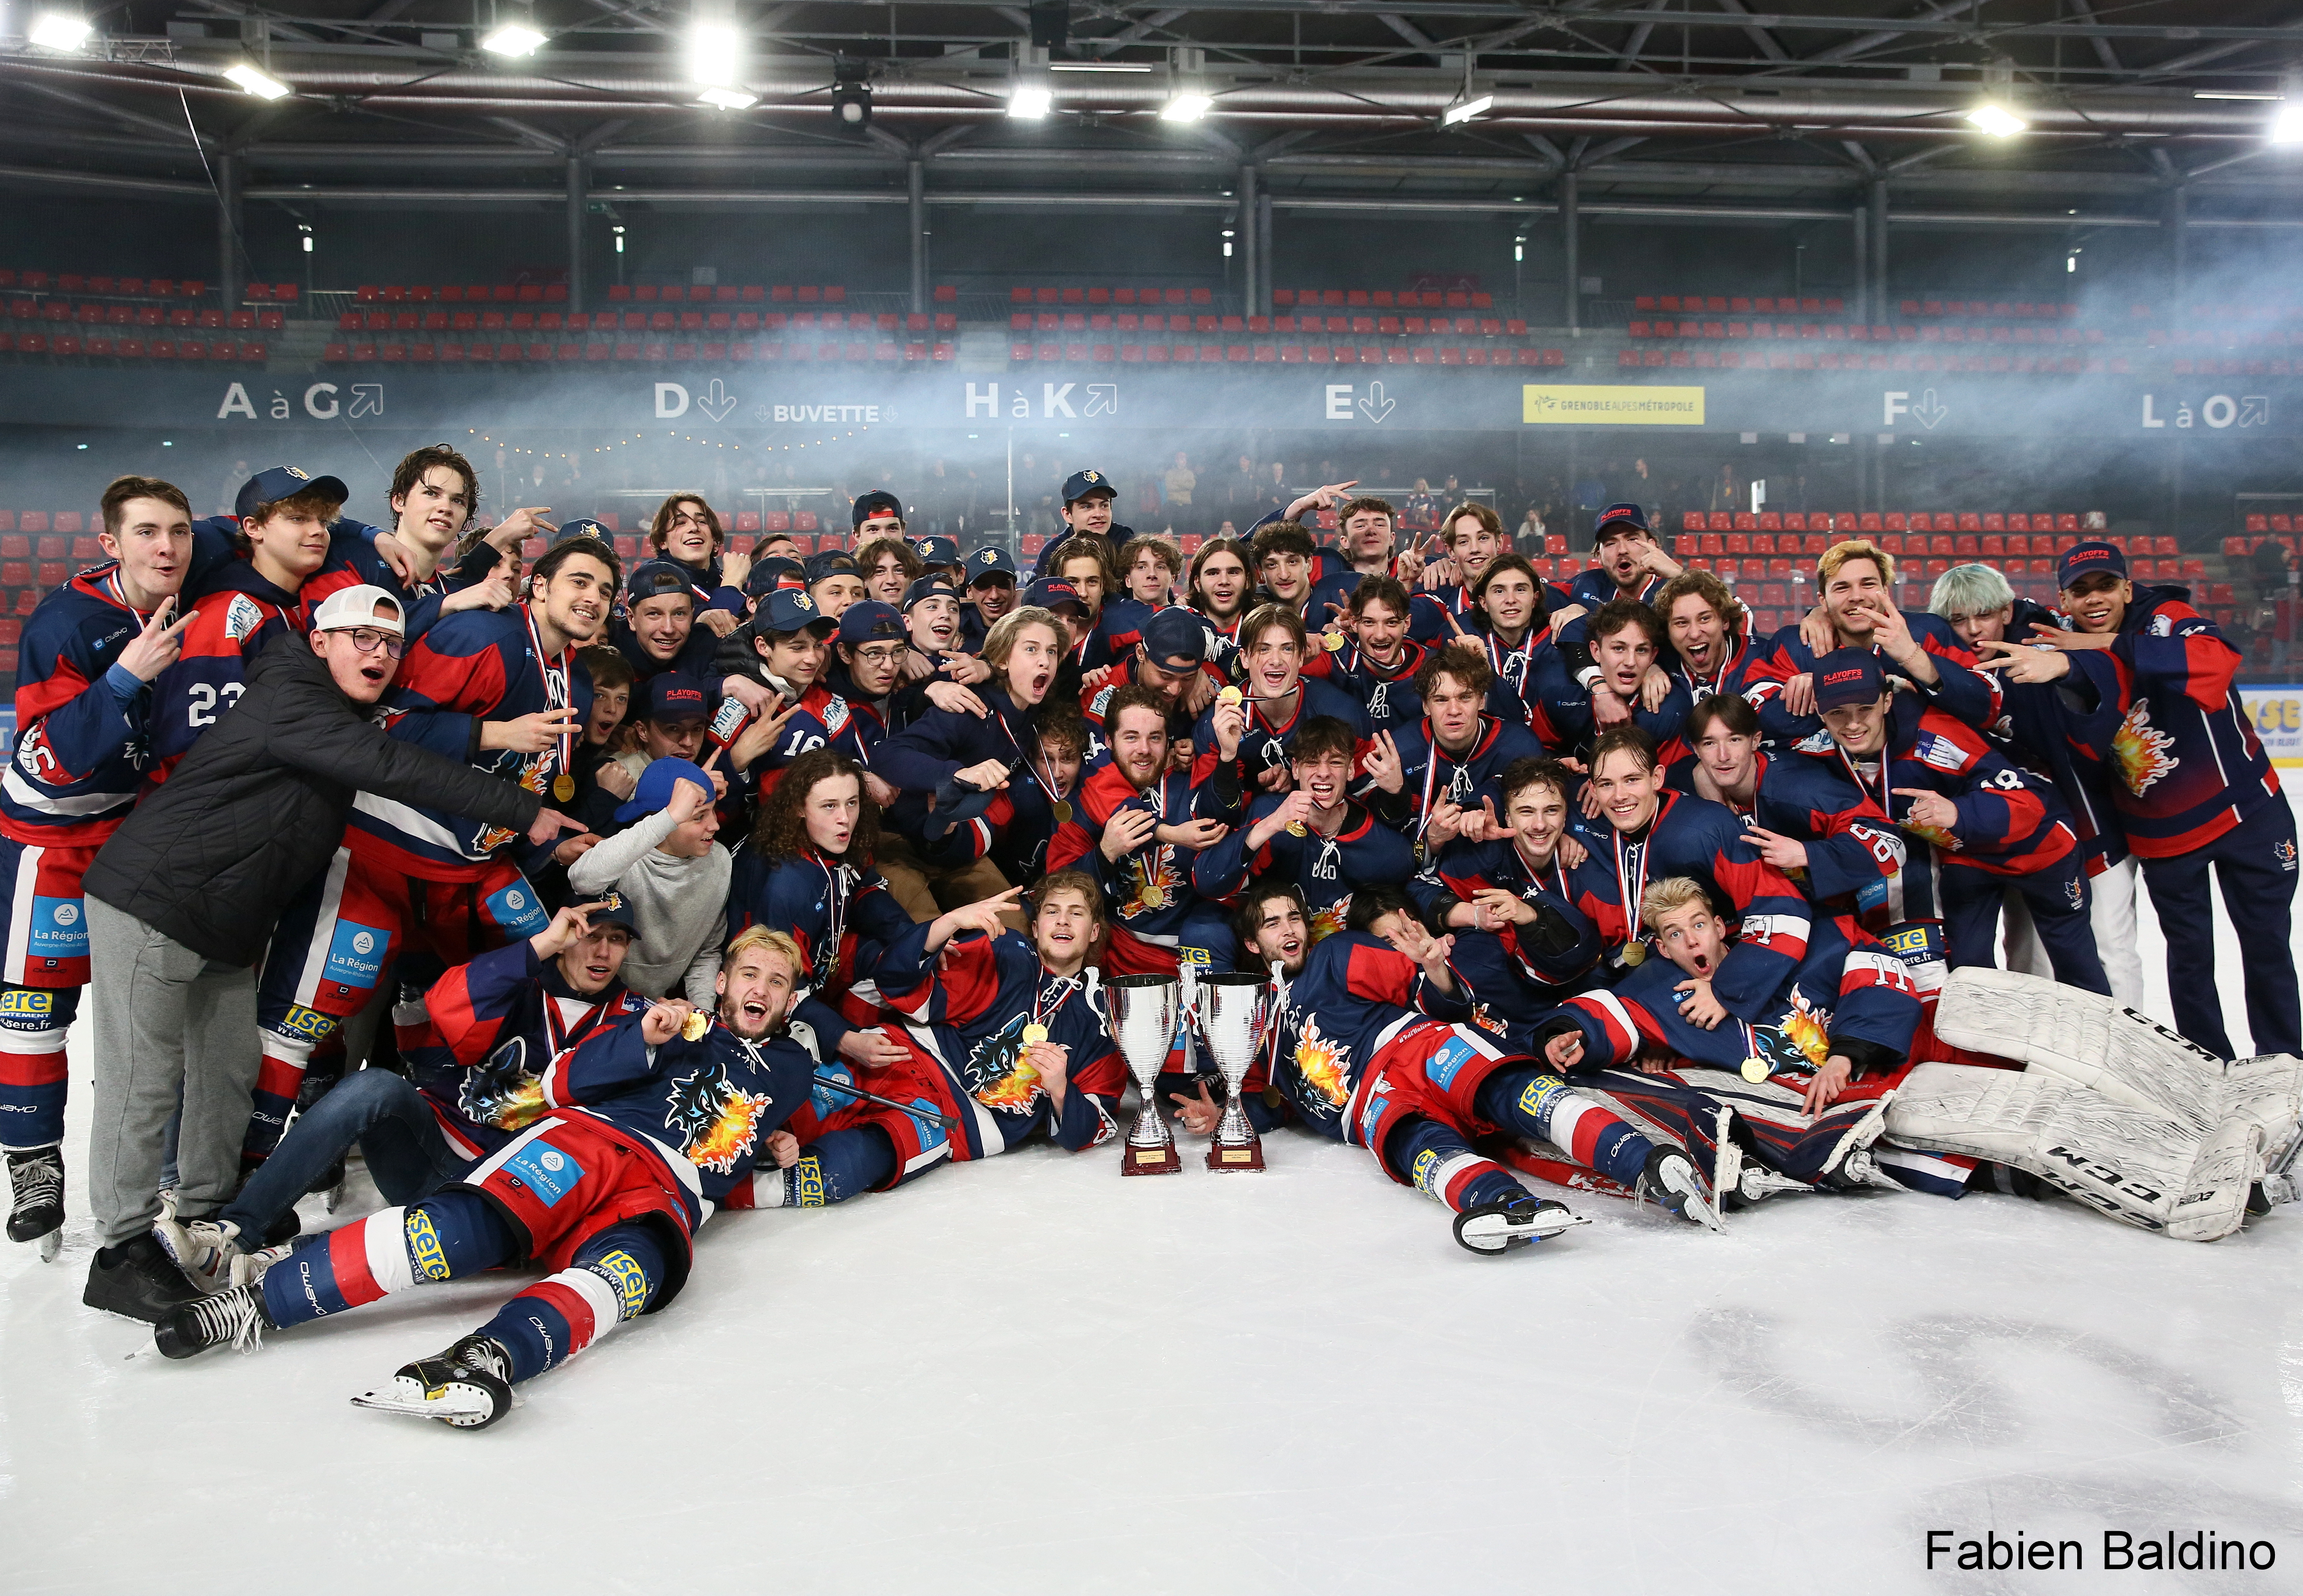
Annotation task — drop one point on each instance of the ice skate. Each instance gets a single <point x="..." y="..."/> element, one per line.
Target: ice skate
<point x="36" y="1181"/>
<point x="1492" y="1228"/>
<point x="1670" y="1178"/>
<point x="212" y="1253"/>
<point x="234" y="1318"/>
<point x="463" y="1386"/>
<point x="1860" y="1168"/>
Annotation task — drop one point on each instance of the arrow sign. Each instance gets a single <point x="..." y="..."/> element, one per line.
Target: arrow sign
<point x="1375" y="407"/>
<point x="367" y="399"/>
<point x="716" y="402"/>
<point x="1102" y="399"/>
<point x="1928" y="412"/>
<point x="2255" y="409"/>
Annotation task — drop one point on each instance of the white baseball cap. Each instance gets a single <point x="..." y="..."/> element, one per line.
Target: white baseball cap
<point x="348" y="608"/>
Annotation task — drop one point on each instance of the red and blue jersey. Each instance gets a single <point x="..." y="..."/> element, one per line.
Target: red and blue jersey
<point x="2045" y="727"/>
<point x="1854" y="849"/>
<point x="1964" y="692"/>
<point x="1386" y="694"/>
<point x="1330" y="869"/>
<point x="1148" y="891"/>
<point x="472" y="667"/>
<point x="1331" y="599"/>
<point x="1596" y="586"/>
<point x="1357" y="994"/>
<point x="965" y="1009"/>
<point x="1580" y="914"/>
<point x="2183" y="761"/>
<point x="82" y="727"/>
<point x="238" y="613"/>
<point x="1432" y="775"/>
<point x="706" y="1108"/>
<point x="843" y="918"/>
<point x="1265" y="740"/>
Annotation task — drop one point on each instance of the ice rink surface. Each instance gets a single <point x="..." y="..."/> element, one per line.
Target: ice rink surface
<point x="1031" y="1375"/>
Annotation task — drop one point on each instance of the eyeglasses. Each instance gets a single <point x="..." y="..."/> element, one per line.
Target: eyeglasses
<point x="367" y="640"/>
<point x="879" y="656"/>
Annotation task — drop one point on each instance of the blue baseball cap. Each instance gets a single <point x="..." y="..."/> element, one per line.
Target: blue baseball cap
<point x="653" y="792"/>
<point x="615" y="908"/>
<point x="1621" y="515"/>
<point x="936" y="550"/>
<point x="653" y="578"/>
<point x="988" y="562"/>
<point x="878" y="501"/>
<point x="2088" y="559"/>
<point x="1049" y="592"/>
<point x="927" y="587"/>
<point x="675" y="696"/>
<point x="769" y="574"/>
<point x="1081" y="485"/>
<point x="831" y="560"/>
<point x="1175" y="640"/>
<point x="285" y="482"/>
<point x="871" y="621"/>
<point x="1848" y="676"/>
<point x="789" y="610"/>
<point x="583" y="526"/>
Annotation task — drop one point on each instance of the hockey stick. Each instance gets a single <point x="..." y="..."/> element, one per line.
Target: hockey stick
<point x="933" y="1116"/>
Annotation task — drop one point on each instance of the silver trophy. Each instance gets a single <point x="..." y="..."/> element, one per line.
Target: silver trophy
<point x="1141" y="1011"/>
<point x="1233" y="1009"/>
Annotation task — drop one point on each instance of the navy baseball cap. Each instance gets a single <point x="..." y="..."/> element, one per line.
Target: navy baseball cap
<point x="871" y="621"/>
<point x="1080" y="485"/>
<point x="828" y="562"/>
<point x="675" y="696"/>
<point x="878" y="501"/>
<point x="934" y="551"/>
<point x="1049" y="592"/>
<point x="1621" y="515"/>
<point x="788" y="610"/>
<point x="927" y="587"/>
<point x="2088" y="559"/>
<point x="653" y="578"/>
<point x="1176" y="640"/>
<point x="989" y="563"/>
<point x="1848" y="676"/>
<point x="769" y="574"/>
<point x="653" y="792"/>
<point x="615" y="908"/>
<point x="285" y="482"/>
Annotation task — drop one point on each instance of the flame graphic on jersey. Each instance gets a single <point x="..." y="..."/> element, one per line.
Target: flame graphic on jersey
<point x="1155" y="883"/>
<point x="1326" y="922"/>
<point x="1935" y="834"/>
<point x="1809" y="1029"/>
<point x="1321" y="1063"/>
<point x="2141" y="749"/>
<point x="996" y="1076"/>
<point x="728" y="1137"/>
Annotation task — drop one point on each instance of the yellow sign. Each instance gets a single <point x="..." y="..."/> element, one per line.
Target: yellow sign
<point x="1589" y="404"/>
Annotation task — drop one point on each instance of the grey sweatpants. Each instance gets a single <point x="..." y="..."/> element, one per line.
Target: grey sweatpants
<point x="171" y="1026"/>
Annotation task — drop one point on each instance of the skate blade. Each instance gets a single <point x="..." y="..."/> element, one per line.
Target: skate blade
<point x="52" y="1244"/>
<point x="335" y="1198"/>
<point x="457" y="1405"/>
<point x="1495" y="1233"/>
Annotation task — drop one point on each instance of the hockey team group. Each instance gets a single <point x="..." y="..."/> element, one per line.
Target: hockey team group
<point x="584" y="897"/>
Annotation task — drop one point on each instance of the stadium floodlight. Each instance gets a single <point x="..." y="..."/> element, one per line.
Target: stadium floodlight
<point x="727" y="99"/>
<point x="513" y="38"/>
<point x="261" y="84"/>
<point x="1994" y="113"/>
<point x="851" y="94"/>
<point x="59" y="31"/>
<point x="1188" y="99"/>
<point x="2287" y="122"/>
<point x="715" y="54"/>
<point x="1466" y="108"/>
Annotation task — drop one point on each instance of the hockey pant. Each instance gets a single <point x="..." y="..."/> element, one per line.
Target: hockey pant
<point x="43" y="966"/>
<point x="337" y="942"/>
<point x="2057" y="898"/>
<point x="617" y="1273"/>
<point x="1766" y="1119"/>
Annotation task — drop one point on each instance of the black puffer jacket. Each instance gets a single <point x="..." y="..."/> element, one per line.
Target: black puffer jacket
<point x="254" y="811"/>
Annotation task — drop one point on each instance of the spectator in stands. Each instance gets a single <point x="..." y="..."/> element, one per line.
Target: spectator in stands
<point x="1179" y="481"/>
<point x="2273" y="568"/>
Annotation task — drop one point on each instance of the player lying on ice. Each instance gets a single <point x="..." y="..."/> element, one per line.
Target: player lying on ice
<point x="1367" y="1051"/>
<point x="1794" y="1089"/>
<point x="649" y="1124"/>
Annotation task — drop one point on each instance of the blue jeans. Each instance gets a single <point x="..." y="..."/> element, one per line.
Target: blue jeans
<point x="406" y="1156"/>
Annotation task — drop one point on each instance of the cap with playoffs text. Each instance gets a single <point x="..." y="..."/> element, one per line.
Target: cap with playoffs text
<point x="2088" y="559"/>
<point x="1848" y="676"/>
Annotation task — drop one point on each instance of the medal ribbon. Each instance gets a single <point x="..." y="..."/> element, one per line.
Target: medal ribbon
<point x="1632" y="896"/>
<point x="553" y="674"/>
<point x="556" y="1034"/>
<point x="835" y="898"/>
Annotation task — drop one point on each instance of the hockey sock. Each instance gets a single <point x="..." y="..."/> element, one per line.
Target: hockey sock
<point x="1536" y="1102"/>
<point x="612" y="1279"/>
<point x="33" y="1021"/>
<point x="279" y="1076"/>
<point x="443" y="1237"/>
<point x="833" y="1169"/>
<point x="1436" y="1160"/>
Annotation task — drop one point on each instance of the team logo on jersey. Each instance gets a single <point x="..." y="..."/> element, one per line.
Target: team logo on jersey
<point x="1800" y="1037"/>
<point x="994" y="1073"/>
<point x="1378" y="704"/>
<point x="2140" y="749"/>
<point x="241" y="617"/>
<point x="835" y="715"/>
<point x="714" y="1121"/>
<point x="2285" y="853"/>
<point x="1154" y="883"/>
<point x="1320" y="1062"/>
<point x="1326" y="922"/>
<point x="1484" y="1018"/>
<point x="501" y="1090"/>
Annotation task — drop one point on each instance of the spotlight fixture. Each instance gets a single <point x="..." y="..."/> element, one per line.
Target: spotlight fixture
<point x="715" y="54"/>
<point x="2287" y="122"/>
<point x="261" y="84"/>
<point x="1463" y="109"/>
<point x="1188" y="99"/>
<point x="512" y="39"/>
<point x="851" y="96"/>
<point x="59" y="31"/>
<point x="1032" y="94"/>
<point x="727" y="99"/>
<point x="1994" y="113"/>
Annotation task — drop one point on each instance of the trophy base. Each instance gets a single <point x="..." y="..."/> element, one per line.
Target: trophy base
<point x="1162" y="1160"/>
<point x="1236" y="1157"/>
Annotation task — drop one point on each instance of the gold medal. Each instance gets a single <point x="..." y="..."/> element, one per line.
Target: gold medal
<point x="1331" y="641"/>
<point x="1755" y="1069"/>
<point x="1296" y="828"/>
<point x="1155" y="898"/>
<point x="1062" y="810"/>
<point x="563" y="787"/>
<point x="1033" y="1034"/>
<point x="697" y="1023"/>
<point x="1635" y="954"/>
<point x="1230" y="696"/>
